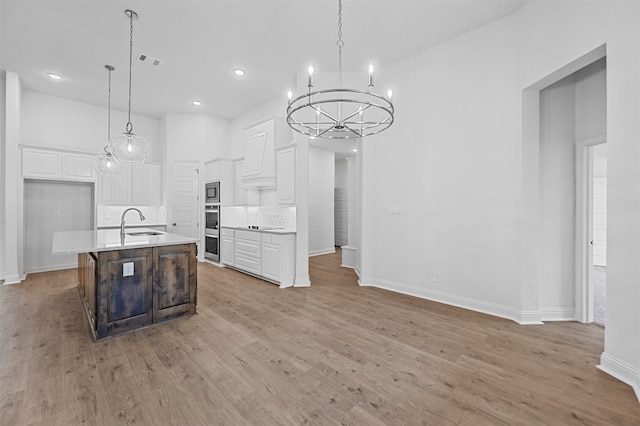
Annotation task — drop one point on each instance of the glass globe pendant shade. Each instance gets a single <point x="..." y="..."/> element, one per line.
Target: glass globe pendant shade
<point x="130" y="148"/>
<point x="106" y="164"/>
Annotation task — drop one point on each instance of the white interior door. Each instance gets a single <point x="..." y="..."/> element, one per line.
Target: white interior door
<point x="184" y="198"/>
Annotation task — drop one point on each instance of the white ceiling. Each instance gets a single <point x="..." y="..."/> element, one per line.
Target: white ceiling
<point x="200" y="42"/>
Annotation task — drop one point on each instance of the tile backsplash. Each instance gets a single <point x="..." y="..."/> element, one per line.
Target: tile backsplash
<point x="269" y="216"/>
<point x="110" y="216"/>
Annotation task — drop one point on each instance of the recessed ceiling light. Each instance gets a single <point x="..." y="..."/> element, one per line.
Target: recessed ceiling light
<point x="354" y="150"/>
<point x="196" y="102"/>
<point x="54" y="76"/>
<point x="239" y="72"/>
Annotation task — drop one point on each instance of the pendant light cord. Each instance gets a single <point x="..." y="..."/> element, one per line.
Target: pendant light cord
<point x="109" y="149"/>
<point x="109" y="108"/>
<point x="129" y="124"/>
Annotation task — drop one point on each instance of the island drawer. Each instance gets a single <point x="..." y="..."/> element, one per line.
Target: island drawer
<point x="226" y="232"/>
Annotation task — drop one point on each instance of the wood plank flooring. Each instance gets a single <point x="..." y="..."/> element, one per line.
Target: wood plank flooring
<point x="330" y="354"/>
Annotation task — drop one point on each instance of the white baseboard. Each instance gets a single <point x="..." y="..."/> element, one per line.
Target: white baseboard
<point x="52" y="268"/>
<point x="14" y="279"/>
<point x="530" y="318"/>
<point x="558" y="314"/>
<point x="621" y="371"/>
<point x="446" y="298"/>
<point x="322" y="251"/>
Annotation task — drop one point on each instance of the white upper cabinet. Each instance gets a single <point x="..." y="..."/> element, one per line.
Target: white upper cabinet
<point x="286" y="180"/>
<point x="212" y="171"/>
<point x="78" y="167"/>
<point x="263" y="137"/>
<point x="54" y="164"/>
<point x="139" y="184"/>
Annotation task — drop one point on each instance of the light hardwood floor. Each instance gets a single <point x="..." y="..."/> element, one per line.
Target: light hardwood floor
<point x="330" y="354"/>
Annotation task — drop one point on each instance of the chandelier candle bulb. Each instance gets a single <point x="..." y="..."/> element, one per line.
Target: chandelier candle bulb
<point x="310" y="78"/>
<point x="370" y="75"/>
<point x="289" y="95"/>
<point x="389" y="94"/>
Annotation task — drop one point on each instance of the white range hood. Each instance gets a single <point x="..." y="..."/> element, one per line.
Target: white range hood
<point x="260" y="157"/>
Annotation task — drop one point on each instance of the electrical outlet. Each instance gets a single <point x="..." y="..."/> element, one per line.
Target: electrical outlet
<point x="436" y="276"/>
<point x="56" y="215"/>
<point x="107" y="215"/>
<point x="127" y="269"/>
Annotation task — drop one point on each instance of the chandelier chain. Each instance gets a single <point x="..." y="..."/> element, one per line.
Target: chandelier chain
<point x="340" y="43"/>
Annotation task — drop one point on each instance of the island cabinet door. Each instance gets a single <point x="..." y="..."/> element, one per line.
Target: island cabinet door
<point x="124" y="290"/>
<point x="174" y="281"/>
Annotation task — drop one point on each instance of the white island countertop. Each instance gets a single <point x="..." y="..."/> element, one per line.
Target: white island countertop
<point x="109" y="239"/>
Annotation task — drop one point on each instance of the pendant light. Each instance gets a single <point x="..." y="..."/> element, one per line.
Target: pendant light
<point x="106" y="164"/>
<point x="129" y="147"/>
<point x="339" y="113"/>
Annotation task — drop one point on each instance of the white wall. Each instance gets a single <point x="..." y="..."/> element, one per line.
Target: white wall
<point x="55" y="122"/>
<point x="12" y="184"/>
<point x="3" y="197"/>
<point x="591" y="101"/>
<point x="342" y="174"/>
<point x="454" y="180"/>
<point x="557" y="200"/>
<point x="321" y="201"/>
<point x="464" y="179"/>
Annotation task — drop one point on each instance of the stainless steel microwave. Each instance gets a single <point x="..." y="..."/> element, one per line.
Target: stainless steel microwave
<point x="212" y="192"/>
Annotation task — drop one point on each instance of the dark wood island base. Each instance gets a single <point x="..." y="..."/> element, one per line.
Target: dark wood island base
<point x="127" y="289"/>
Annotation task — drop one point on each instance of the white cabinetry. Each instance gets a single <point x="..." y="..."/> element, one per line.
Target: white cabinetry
<point x="278" y="258"/>
<point x="222" y="170"/>
<point x="139" y="184"/>
<point x="286" y="165"/>
<point x="263" y="137"/>
<point x="247" y="251"/>
<point x="212" y="171"/>
<point x="227" y="246"/>
<point x="53" y="164"/>
<point x="264" y="254"/>
<point x="78" y="167"/>
<point x="239" y="193"/>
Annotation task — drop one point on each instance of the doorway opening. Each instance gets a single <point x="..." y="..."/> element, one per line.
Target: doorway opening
<point x="598" y="263"/>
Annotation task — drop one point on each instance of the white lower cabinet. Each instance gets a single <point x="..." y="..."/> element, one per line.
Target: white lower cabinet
<point x="227" y="247"/>
<point x="267" y="255"/>
<point x="248" y="251"/>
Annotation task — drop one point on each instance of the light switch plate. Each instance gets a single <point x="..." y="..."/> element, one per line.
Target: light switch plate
<point x="107" y="215"/>
<point x="127" y="269"/>
<point x="394" y="208"/>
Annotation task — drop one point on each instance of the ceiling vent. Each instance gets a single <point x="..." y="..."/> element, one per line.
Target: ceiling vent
<point x="143" y="57"/>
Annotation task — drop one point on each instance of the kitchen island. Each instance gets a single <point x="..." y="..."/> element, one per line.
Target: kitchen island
<point x="135" y="280"/>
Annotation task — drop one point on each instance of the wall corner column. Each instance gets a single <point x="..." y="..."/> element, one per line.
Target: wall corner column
<point x="11" y="167"/>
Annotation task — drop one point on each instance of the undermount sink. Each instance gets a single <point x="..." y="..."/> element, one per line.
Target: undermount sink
<point x="143" y="233"/>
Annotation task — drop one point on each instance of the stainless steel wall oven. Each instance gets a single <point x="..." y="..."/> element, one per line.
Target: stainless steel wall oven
<point x="212" y="233"/>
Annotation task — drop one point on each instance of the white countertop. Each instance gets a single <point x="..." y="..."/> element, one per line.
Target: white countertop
<point x="109" y="239"/>
<point x="268" y="230"/>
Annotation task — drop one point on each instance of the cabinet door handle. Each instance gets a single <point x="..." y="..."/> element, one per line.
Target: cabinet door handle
<point x="174" y="224"/>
